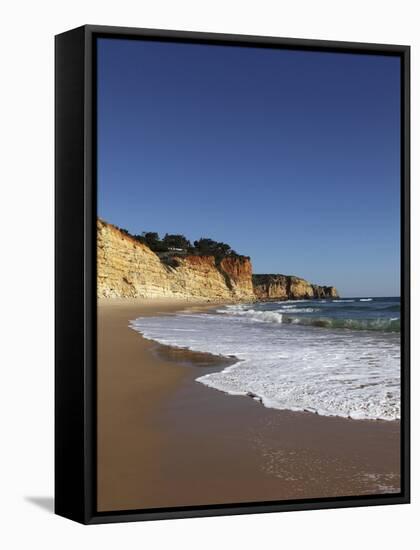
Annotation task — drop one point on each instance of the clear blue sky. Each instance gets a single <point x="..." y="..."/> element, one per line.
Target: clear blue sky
<point x="291" y="157"/>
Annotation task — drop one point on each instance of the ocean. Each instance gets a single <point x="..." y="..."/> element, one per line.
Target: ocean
<point x="331" y="357"/>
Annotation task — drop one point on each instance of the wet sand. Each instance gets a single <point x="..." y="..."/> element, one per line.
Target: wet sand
<point x="166" y="440"/>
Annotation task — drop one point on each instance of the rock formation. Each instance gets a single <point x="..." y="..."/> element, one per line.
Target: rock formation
<point x="127" y="268"/>
<point x="288" y="287"/>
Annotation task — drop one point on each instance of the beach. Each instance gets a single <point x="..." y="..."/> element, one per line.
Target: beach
<point x="165" y="440"/>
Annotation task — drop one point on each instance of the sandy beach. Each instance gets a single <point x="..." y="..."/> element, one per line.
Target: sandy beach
<point x="166" y="440"/>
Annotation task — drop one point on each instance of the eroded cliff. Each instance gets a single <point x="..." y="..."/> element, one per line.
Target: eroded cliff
<point x="288" y="287"/>
<point x="127" y="268"/>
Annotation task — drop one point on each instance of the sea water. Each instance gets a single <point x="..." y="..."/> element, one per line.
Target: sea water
<point x="331" y="357"/>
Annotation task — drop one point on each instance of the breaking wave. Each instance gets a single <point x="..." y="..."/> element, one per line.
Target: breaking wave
<point x="384" y="325"/>
<point x="285" y="363"/>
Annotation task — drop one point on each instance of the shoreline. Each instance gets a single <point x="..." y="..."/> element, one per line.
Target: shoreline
<point x="166" y="440"/>
<point x="213" y="363"/>
<point x="187" y="355"/>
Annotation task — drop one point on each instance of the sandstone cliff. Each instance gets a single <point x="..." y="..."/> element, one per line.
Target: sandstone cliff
<point x="288" y="287"/>
<point x="127" y="268"/>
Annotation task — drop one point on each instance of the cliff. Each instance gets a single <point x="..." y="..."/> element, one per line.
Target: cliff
<point x="127" y="268"/>
<point x="288" y="287"/>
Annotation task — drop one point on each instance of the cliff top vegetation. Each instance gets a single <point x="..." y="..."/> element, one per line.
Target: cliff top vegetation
<point x="175" y="244"/>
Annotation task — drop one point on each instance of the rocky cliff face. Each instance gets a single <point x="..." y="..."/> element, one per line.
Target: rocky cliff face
<point x="324" y="292"/>
<point x="127" y="268"/>
<point x="288" y="287"/>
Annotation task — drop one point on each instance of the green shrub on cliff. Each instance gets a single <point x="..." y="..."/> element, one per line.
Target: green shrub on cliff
<point x="176" y="241"/>
<point x="178" y="244"/>
<point x="206" y="246"/>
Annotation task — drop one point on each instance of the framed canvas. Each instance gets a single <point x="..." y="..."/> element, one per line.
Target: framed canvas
<point x="232" y="274"/>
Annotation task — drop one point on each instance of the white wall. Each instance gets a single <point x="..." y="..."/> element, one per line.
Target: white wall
<point x="26" y="217"/>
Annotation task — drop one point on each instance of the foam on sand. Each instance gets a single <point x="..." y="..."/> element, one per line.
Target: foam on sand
<point x="348" y="373"/>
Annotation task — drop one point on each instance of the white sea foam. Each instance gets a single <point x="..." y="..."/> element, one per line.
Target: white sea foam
<point x="260" y="316"/>
<point x="247" y="311"/>
<point x="331" y="372"/>
<point x="365" y="299"/>
<point x="286" y="316"/>
<point x="294" y="309"/>
<point x="342" y="301"/>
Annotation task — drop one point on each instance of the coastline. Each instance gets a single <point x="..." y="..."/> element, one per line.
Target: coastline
<point x="165" y="440"/>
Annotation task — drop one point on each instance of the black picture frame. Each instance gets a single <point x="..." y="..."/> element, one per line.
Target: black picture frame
<point x="75" y="273"/>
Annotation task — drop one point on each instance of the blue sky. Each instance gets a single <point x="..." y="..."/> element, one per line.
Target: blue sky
<point x="291" y="157"/>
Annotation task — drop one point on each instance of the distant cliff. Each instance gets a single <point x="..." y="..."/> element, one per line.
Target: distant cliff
<point x="288" y="287"/>
<point x="127" y="268"/>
